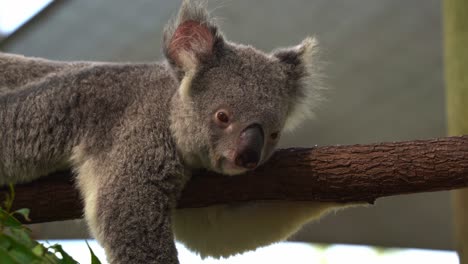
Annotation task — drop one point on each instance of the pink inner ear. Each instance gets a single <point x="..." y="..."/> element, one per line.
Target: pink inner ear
<point x="193" y="37"/>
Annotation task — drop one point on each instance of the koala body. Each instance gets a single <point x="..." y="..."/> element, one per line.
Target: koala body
<point x="132" y="133"/>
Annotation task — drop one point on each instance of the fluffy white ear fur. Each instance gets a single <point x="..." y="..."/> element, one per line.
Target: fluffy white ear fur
<point x="225" y="230"/>
<point x="187" y="39"/>
<point x="310" y="84"/>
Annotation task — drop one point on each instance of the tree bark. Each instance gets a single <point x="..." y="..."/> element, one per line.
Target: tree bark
<point x="456" y="77"/>
<point x="356" y="173"/>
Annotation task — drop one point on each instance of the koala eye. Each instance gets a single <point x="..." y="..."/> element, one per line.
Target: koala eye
<point x="222" y="118"/>
<point x="274" y="135"/>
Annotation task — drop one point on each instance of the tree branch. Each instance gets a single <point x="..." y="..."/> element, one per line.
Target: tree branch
<point x="356" y="173"/>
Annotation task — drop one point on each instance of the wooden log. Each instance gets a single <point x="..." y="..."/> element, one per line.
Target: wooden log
<point x="355" y="173"/>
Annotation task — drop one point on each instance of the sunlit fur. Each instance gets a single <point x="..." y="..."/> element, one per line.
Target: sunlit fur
<point x="88" y="184"/>
<point x="311" y="86"/>
<point x="226" y="230"/>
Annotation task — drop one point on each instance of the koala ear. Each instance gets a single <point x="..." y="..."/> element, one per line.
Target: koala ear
<point x="190" y="38"/>
<point x="303" y="71"/>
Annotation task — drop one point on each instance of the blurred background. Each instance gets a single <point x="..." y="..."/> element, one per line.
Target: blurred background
<point x="383" y="66"/>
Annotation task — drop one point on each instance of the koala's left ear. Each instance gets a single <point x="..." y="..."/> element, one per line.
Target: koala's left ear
<point x="190" y="39"/>
<point x="303" y="71"/>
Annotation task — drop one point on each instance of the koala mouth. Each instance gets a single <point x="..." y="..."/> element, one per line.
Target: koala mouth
<point x="229" y="167"/>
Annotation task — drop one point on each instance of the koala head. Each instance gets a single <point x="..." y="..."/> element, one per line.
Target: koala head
<point x="233" y="101"/>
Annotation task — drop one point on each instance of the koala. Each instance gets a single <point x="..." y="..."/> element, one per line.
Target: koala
<point x="133" y="133"/>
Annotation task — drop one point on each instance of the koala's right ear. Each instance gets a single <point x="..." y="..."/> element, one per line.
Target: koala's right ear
<point x="190" y="39"/>
<point x="304" y="70"/>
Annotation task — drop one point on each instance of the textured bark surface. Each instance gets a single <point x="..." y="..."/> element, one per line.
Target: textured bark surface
<point x="356" y="173"/>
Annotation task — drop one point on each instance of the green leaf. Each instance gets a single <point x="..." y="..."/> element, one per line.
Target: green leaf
<point x="24" y="212"/>
<point x="50" y="258"/>
<point x="39" y="250"/>
<point x="66" y="259"/>
<point x="5" y="258"/>
<point x="94" y="258"/>
<point x="10" y="197"/>
<point x="22" y="235"/>
<point x="4" y="242"/>
<point x="18" y="251"/>
<point x="7" y="220"/>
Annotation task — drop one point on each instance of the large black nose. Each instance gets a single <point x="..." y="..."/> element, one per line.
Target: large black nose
<point x="249" y="148"/>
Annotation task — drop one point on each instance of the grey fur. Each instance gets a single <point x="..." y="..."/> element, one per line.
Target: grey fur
<point x="127" y="130"/>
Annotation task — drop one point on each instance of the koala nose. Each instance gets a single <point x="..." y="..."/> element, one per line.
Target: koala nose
<point x="250" y="145"/>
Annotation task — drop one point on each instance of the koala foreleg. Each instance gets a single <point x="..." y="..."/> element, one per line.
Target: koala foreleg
<point x="129" y="194"/>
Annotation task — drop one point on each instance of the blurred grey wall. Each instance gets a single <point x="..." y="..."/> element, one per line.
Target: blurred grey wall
<point x="383" y="62"/>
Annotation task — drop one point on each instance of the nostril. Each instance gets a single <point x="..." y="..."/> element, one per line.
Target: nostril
<point x="248" y="159"/>
<point x="250" y="165"/>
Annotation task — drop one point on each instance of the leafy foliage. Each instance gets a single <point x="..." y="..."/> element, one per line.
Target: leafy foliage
<point x="17" y="246"/>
